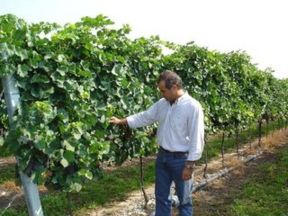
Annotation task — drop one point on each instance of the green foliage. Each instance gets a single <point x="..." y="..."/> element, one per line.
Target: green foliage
<point x="71" y="81"/>
<point x="73" y="78"/>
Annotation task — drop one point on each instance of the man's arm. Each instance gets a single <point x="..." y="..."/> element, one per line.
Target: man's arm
<point x="140" y="119"/>
<point x="196" y="137"/>
<point x="196" y="134"/>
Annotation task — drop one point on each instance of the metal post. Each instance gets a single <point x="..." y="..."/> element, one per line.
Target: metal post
<point x="12" y="98"/>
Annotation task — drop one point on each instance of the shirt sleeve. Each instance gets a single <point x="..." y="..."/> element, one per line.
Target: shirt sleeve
<point x="196" y="133"/>
<point x="144" y="118"/>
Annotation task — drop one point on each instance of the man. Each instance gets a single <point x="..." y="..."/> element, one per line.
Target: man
<point x="180" y="135"/>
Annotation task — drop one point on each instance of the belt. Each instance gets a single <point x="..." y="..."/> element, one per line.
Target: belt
<point x="175" y="152"/>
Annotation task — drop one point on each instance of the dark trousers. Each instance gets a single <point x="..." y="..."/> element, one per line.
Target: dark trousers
<point x="169" y="167"/>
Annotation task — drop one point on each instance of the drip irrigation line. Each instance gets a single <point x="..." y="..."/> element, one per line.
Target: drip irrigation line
<point x="221" y="173"/>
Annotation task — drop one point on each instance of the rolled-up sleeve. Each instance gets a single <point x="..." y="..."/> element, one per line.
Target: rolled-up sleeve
<point x="196" y="133"/>
<point x="144" y="118"/>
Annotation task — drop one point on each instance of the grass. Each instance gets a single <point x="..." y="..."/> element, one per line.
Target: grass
<point x="115" y="185"/>
<point x="4" y="152"/>
<point x="265" y="194"/>
<point x="7" y="174"/>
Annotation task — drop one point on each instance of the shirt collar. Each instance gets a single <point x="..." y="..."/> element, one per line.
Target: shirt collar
<point x="179" y="99"/>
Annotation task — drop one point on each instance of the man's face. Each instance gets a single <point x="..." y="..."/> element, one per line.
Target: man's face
<point x="168" y="94"/>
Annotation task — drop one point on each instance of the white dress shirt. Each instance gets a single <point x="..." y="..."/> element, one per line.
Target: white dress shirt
<point x="181" y="125"/>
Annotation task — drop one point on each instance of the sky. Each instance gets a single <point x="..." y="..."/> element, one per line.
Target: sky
<point x="254" y="26"/>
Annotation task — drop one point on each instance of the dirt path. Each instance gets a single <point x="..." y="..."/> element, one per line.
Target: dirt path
<point x="4" y="162"/>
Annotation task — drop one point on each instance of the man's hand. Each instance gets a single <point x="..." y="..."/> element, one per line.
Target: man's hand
<point x="188" y="170"/>
<point x="186" y="174"/>
<point x="117" y="121"/>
